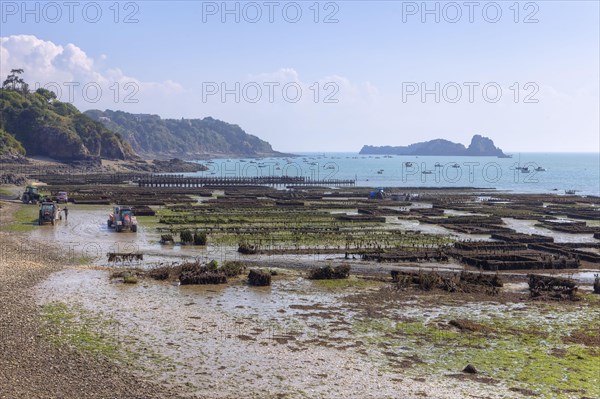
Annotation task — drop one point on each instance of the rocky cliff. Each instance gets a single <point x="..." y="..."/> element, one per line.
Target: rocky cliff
<point x="46" y="127"/>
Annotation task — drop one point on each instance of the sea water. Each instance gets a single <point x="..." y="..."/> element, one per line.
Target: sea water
<point x="559" y="171"/>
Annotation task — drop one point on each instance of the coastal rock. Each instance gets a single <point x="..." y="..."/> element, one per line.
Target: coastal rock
<point x="483" y="146"/>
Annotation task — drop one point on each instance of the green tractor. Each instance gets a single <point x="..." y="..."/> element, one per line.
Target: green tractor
<point x="31" y="195"/>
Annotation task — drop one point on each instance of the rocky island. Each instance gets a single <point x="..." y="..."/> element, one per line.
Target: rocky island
<point x="480" y="147"/>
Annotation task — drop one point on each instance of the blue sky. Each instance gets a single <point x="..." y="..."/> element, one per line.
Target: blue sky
<point x="367" y="61"/>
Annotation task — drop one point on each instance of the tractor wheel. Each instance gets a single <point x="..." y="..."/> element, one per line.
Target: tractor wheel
<point x="119" y="228"/>
<point x="134" y="228"/>
<point x="109" y="223"/>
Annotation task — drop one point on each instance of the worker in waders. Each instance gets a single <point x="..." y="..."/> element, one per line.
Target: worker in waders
<point x="66" y="210"/>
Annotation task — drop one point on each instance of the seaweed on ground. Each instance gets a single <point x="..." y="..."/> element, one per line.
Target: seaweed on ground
<point x="549" y="287"/>
<point x="464" y="282"/>
<point x="259" y="278"/>
<point x="330" y="273"/>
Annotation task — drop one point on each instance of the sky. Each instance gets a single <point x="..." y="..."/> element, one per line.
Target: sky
<point x="326" y="76"/>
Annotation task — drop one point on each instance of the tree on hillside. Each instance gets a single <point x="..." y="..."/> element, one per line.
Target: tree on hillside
<point x="47" y="94"/>
<point x="15" y="82"/>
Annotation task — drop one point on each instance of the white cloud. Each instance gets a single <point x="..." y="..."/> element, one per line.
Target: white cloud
<point x="69" y="69"/>
<point x="282" y="75"/>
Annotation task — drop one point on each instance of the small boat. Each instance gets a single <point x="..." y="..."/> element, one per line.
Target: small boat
<point x="380" y="172"/>
<point x="456" y="166"/>
<point x="427" y="172"/>
<point x="570" y="192"/>
<point x="540" y="169"/>
<point x="524" y="170"/>
<point x="408" y="164"/>
<point x="438" y="165"/>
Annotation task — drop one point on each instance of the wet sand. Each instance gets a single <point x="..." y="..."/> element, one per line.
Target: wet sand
<point x="30" y="365"/>
<point x="293" y="339"/>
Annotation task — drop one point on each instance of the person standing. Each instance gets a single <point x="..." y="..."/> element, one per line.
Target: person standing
<point x="66" y="210"/>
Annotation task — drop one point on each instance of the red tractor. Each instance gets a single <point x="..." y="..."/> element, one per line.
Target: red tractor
<point x="122" y="218"/>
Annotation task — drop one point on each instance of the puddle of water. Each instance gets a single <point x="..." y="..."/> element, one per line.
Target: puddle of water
<point x="583" y="277"/>
<point x="428" y="228"/>
<point x="453" y="212"/>
<point x="528" y="227"/>
<point x="343" y="211"/>
<point x="86" y="234"/>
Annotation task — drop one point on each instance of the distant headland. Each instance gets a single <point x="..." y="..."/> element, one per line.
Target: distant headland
<point x="480" y="147"/>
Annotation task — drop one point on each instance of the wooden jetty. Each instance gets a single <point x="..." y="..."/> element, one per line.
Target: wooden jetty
<point x="195" y="181"/>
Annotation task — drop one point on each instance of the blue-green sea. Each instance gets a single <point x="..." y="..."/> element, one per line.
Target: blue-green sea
<point x="545" y="172"/>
